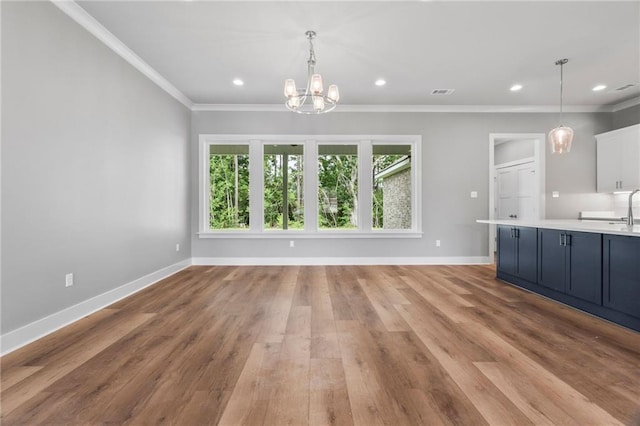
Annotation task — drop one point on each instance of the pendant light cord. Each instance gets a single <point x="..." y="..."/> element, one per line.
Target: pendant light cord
<point x="561" y="62"/>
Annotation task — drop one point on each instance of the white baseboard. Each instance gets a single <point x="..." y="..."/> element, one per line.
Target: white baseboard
<point x="461" y="260"/>
<point x="15" y="339"/>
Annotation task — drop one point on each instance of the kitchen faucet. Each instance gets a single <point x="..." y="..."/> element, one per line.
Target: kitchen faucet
<point x="630" y="214"/>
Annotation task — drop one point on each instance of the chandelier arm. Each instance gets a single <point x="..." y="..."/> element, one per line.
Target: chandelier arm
<point x="310" y="69"/>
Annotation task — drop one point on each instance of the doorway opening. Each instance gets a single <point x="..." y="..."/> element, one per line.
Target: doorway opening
<point x="516" y="178"/>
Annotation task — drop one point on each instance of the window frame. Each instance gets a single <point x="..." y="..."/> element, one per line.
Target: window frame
<point x="310" y="144"/>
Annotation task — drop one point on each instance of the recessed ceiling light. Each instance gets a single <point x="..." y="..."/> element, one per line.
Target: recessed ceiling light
<point x="599" y="87"/>
<point x="380" y="82"/>
<point x="516" y="87"/>
<point x="238" y="82"/>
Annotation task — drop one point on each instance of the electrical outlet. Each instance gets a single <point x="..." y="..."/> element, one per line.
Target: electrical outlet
<point x="68" y="280"/>
<point x="555" y="194"/>
<point x="292" y="244"/>
<point x="437" y="243"/>
<point x="474" y="194"/>
<point x="177" y="247"/>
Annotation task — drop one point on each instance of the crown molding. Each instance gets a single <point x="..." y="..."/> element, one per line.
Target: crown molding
<point x="626" y="104"/>
<point x="411" y="108"/>
<point x="89" y="23"/>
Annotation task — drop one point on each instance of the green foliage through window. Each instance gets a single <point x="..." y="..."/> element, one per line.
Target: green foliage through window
<point x="229" y="188"/>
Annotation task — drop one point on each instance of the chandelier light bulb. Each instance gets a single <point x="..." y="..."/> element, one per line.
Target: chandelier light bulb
<point x="316" y="84"/>
<point x="294" y="102"/>
<point x="290" y="88"/>
<point x="318" y="103"/>
<point x="333" y="93"/>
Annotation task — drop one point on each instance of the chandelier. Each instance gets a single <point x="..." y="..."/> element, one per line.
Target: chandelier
<point x="311" y="99"/>
<point x="561" y="137"/>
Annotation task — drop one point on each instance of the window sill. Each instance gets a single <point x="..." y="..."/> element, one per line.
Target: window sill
<point x="310" y="235"/>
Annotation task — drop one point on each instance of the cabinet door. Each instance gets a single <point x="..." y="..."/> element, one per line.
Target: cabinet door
<point x="584" y="266"/>
<point x="551" y="259"/>
<point x="608" y="157"/>
<point x="630" y="160"/>
<point x="621" y="274"/>
<point x="527" y="241"/>
<point x="506" y="250"/>
<point x="618" y="159"/>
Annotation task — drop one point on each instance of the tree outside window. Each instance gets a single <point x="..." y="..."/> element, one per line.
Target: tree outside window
<point x="229" y="187"/>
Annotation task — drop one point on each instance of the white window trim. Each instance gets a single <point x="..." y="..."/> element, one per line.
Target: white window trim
<point x="256" y="200"/>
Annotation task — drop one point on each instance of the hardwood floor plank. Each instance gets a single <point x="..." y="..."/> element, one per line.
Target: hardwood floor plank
<point x="328" y="398"/>
<point x="278" y="315"/>
<point x="239" y="409"/>
<point x="66" y="361"/>
<point x="385" y="310"/>
<point x="538" y="407"/>
<point x="576" y="403"/>
<point x="324" y="337"/>
<point x="495" y="408"/>
<point x="446" y="305"/>
<point x="16" y="375"/>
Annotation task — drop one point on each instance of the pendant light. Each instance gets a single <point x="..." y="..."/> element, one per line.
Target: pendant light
<point x="561" y="137"/>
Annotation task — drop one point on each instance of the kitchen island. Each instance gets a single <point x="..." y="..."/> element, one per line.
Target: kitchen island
<point x="593" y="266"/>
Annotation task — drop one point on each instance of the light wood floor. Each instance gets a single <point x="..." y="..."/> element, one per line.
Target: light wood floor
<point x="325" y="345"/>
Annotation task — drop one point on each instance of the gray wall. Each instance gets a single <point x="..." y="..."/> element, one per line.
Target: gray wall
<point x="455" y="161"/>
<point x="626" y="117"/>
<point x="95" y="161"/>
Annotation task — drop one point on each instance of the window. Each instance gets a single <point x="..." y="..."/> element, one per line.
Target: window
<point x="229" y="187"/>
<point x="392" y="187"/>
<point x="283" y="169"/>
<point x="309" y="186"/>
<point x="338" y="186"/>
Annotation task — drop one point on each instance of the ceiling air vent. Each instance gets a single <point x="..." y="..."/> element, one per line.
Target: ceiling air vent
<point x="442" y="91"/>
<point x="625" y="87"/>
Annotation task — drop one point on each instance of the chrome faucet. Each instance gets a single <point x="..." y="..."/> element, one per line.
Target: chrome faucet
<point x="630" y="213"/>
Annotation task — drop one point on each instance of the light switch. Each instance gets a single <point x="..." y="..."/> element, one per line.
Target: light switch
<point x="555" y="194"/>
<point x="474" y="194"/>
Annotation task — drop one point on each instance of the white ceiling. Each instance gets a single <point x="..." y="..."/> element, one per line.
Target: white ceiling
<point x="478" y="48"/>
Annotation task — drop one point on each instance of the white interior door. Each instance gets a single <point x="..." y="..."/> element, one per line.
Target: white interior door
<point x="516" y="191"/>
<point x="507" y="192"/>
<point x="526" y="191"/>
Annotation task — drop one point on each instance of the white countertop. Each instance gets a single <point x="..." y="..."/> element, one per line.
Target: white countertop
<point x="598" y="227"/>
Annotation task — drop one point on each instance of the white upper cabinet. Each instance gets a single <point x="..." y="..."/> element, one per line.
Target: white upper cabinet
<point x="618" y="157"/>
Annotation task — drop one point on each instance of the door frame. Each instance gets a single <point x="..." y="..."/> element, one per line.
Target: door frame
<point x="539" y="146"/>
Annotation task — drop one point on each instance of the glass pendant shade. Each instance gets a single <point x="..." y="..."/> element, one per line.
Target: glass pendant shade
<point x="294" y="101"/>
<point x="333" y="93"/>
<point x="316" y="84"/>
<point x="560" y="139"/>
<point x="290" y="88"/>
<point x="318" y="103"/>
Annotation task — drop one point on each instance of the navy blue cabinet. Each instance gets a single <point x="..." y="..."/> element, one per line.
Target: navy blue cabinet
<point x="596" y="273"/>
<point x="584" y="266"/>
<point x="552" y="259"/>
<point x="517" y="252"/>
<point x="570" y="262"/>
<point x="621" y="274"/>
